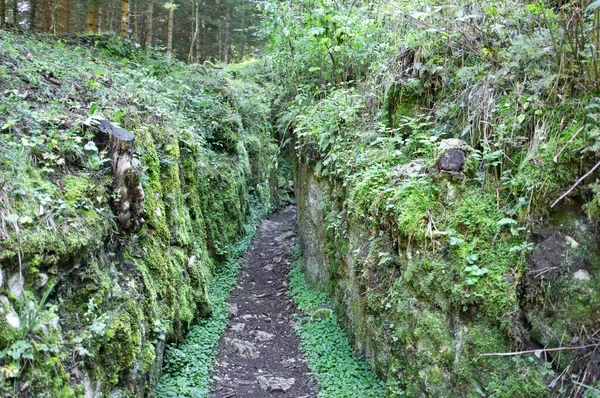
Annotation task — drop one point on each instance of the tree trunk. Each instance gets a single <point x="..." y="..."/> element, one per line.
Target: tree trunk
<point x="15" y="13"/>
<point x="63" y="16"/>
<point x="149" y="25"/>
<point x="109" y="16"/>
<point x="100" y="18"/>
<point x="127" y="180"/>
<point x="124" y="18"/>
<point x="32" y="12"/>
<point x="228" y="38"/>
<point x="52" y="25"/>
<point x="170" y="29"/>
<point x="201" y="55"/>
<point x="195" y="35"/>
<point x="135" y="22"/>
<point x="220" y="33"/>
<point x="69" y="25"/>
<point x="2" y="13"/>
<point x="92" y="18"/>
<point x="47" y="16"/>
<point x="199" y="42"/>
<point x="128" y="194"/>
<point x="243" y="41"/>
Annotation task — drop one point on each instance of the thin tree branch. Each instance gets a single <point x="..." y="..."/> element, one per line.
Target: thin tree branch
<point x="508" y="354"/>
<point x="567" y="144"/>
<point x="575" y="185"/>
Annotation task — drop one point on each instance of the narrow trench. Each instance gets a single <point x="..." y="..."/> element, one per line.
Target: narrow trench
<point x="259" y="354"/>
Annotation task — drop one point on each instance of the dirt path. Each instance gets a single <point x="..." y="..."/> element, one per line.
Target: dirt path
<point x="259" y="354"/>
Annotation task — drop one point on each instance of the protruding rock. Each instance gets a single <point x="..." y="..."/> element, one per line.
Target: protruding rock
<point x="581" y="275"/>
<point x="243" y="348"/>
<point x="232" y="309"/>
<point x="410" y="169"/>
<point x="42" y="280"/>
<point x="275" y="384"/>
<point x="451" y="143"/>
<point x="13" y="320"/>
<point x="289" y="362"/>
<point x="571" y="242"/>
<point x="262" y="336"/>
<point x="238" y="327"/>
<point x="284" y="236"/>
<point x="15" y="285"/>
<point x="452" y="161"/>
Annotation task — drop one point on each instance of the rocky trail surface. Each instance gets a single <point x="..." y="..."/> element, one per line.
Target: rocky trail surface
<point x="259" y="354"/>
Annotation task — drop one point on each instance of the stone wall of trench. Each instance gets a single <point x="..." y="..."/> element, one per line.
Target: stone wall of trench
<point x="410" y="331"/>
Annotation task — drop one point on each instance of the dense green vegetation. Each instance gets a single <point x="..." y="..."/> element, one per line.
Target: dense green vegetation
<point x="427" y="269"/>
<point x="98" y="304"/>
<point x="326" y="347"/>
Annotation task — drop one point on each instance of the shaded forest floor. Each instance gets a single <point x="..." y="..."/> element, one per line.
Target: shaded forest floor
<point x="259" y="353"/>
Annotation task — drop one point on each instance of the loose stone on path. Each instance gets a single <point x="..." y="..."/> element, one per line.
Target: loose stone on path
<point x="273" y="384"/>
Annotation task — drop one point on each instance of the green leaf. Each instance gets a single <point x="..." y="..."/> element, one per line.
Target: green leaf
<point x="455" y="241"/>
<point x="9" y="124"/>
<point x="90" y="146"/>
<point x="593" y="6"/>
<point x="506" y="221"/>
<point x="13" y="218"/>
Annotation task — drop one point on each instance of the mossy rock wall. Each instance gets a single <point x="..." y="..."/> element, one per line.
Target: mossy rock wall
<point x="120" y="298"/>
<point x="403" y="300"/>
<point x="87" y="309"/>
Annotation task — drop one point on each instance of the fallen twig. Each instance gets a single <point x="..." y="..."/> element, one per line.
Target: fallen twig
<point x="541" y="272"/>
<point x="567" y="144"/>
<point x="264" y="295"/>
<point x="508" y="354"/>
<point x="575" y="185"/>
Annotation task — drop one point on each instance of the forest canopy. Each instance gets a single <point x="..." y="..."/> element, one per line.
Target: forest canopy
<point x="194" y="30"/>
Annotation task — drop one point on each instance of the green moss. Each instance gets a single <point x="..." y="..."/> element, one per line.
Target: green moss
<point x="398" y="102"/>
<point x="476" y="214"/>
<point x="148" y="358"/>
<point x="121" y="350"/>
<point x="151" y="182"/>
<point x="8" y="334"/>
<point x="499" y="376"/>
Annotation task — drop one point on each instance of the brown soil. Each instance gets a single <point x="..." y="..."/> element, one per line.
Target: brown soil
<point x="260" y="341"/>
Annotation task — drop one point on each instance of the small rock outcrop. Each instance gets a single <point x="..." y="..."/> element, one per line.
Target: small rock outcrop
<point x="15" y="285"/>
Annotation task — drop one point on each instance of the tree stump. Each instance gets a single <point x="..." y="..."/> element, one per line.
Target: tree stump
<point x="128" y="194"/>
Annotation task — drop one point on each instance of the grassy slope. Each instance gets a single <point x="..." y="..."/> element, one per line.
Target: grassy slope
<point x="204" y="144"/>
